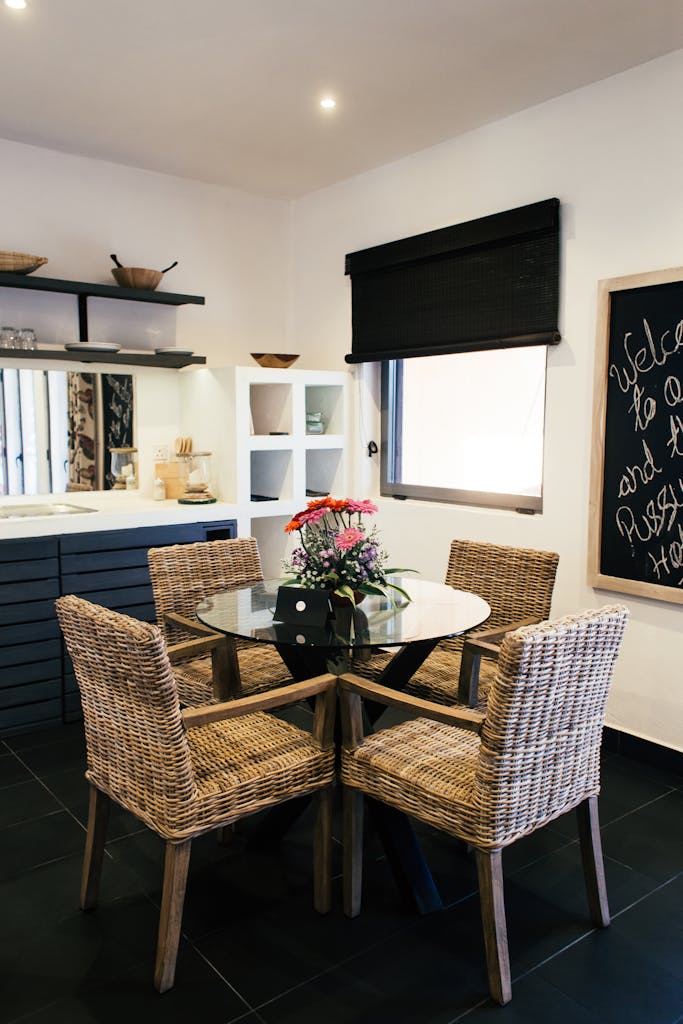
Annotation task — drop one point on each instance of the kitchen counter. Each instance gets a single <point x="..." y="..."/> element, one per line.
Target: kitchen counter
<point x="114" y="510"/>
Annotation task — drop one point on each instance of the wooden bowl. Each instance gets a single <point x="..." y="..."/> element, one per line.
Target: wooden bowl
<point x="137" y="277"/>
<point x="20" y="262"/>
<point x="273" y="360"/>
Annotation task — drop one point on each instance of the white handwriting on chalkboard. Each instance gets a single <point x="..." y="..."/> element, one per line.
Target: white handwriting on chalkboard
<point x="675" y="442"/>
<point x="660" y="514"/>
<point x="646" y="358"/>
<point x="668" y="558"/>
<point x="644" y="414"/>
<point x="635" y="475"/>
<point x="673" y="393"/>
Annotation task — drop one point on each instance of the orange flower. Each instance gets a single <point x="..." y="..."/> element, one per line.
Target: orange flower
<point x="319" y="503"/>
<point x="338" y="504"/>
<point x="292" y="525"/>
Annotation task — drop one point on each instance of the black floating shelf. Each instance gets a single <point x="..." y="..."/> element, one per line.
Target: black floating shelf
<point x="102" y="291"/>
<point x="166" y="361"/>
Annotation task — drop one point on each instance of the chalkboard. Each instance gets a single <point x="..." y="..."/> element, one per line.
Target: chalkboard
<point x="636" y="515"/>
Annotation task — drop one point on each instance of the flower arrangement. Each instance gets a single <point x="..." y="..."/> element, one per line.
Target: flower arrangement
<point x="338" y="553"/>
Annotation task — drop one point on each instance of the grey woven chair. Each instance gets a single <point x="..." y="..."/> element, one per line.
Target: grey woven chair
<point x="518" y="584"/>
<point x="186" y="773"/>
<point x="209" y="666"/>
<point x="489" y="780"/>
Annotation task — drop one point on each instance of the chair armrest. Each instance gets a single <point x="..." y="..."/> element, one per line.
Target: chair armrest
<point x="485" y="643"/>
<point x="192" y="648"/>
<point x="189" y="625"/>
<point x="284" y="695"/>
<point x="496" y="633"/>
<point x="463" y="718"/>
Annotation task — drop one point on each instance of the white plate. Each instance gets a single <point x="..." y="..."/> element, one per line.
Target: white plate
<point x="92" y="346"/>
<point x="173" y="351"/>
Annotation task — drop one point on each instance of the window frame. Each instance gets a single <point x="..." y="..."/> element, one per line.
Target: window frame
<point x="390" y="456"/>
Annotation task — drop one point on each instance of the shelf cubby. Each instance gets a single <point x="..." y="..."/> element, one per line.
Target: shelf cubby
<point x="327" y="399"/>
<point x="270" y="406"/>
<point x="325" y="472"/>
<point x="271" y="475"/>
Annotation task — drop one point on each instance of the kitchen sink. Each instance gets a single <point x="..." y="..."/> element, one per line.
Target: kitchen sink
<point x="57" y="509"/>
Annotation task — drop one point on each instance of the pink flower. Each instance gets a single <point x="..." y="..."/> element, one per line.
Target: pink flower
<point x="366" y="506"/>
<point x="347" y="538"/>
<point x="311" y="515"/>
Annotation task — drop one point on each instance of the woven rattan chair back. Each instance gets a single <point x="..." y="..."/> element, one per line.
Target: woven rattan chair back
<point x="182" y="575"/>
<point x="137" y="750"/>
<point x="540" y="744"/>
<point x="516" y="582"/>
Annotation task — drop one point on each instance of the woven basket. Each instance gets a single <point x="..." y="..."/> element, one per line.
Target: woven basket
<point x="20" y="262"/>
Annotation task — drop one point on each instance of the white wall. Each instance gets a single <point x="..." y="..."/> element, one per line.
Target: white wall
<point x="613" y="154"/>
<point x="231" y="248"/>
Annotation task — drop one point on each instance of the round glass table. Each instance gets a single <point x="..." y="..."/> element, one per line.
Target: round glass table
<point x="435" y="611"/>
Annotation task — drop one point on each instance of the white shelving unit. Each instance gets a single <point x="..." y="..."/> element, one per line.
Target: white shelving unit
<point x="254" y="420"/>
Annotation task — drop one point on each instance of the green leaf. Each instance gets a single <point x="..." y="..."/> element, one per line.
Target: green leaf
<point x="346" y="591"/>
<point x="390" y="571"/>
<point x="400" y="590"/>
<point x="371" y="588"/>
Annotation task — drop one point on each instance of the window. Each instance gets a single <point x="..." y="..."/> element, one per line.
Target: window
<point x="465" y="428"/>
<point x="32" y="431"/>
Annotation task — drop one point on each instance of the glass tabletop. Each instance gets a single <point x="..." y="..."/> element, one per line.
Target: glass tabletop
<point x="435" y="611"/>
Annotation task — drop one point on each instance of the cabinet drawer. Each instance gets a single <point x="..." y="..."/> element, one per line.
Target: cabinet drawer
<point x="15" y="696"/>
<point x="87" y="582"/>
<point x="121" y="599"/>
<point x="35" y="569"/>
<point x="31" y="716"/>
<point x="97" y="561"/>
<point x="140" y="537"/>
<point x="31" y="590"/>
<point x="22" y="654"/>
<point x="21" y="550"/>
<point x="28" y="633"/>
<point x="31" y="672"/>
<point x="30" y="611"/>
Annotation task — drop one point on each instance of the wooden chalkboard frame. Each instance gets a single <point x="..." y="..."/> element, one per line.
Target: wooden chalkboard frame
<point x="596" y="578"/>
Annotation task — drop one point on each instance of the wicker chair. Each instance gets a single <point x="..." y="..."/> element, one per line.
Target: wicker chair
<point x="491" y="780"/>
<point x="518" y="584"/>
<point x="210" y="667"/>
<point x="187" y="773"/>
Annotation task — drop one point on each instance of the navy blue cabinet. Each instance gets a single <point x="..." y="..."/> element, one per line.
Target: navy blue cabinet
<point x="37" y="684"/>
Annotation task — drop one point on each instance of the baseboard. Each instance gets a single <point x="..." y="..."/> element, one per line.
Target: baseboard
<point x="617" y="742"/>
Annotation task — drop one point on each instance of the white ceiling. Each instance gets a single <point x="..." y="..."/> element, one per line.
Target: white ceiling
<point x="227" y="91"/>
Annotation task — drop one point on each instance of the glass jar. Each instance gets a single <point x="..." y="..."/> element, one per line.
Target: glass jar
<point x="196" y="471"/>
<point x="124" y="468"/>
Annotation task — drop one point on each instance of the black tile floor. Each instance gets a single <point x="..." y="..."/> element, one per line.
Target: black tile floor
<point x="253" y="950"/>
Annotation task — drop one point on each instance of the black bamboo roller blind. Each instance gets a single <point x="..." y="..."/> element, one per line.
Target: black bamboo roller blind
<point x="487" y="283"/>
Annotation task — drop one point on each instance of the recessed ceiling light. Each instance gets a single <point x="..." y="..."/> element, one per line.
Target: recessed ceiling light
<point x="17" y="5"/>
<point x="328" y="103"/>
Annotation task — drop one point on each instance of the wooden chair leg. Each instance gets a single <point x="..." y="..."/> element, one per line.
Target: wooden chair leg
<point x="353" y="850"/>
<point x="322" y="852"/>
<point x="490" y="872"/>
<point x="176" y="863"/>
<point x="593" y="866"/>
<point x="98" y="819"/>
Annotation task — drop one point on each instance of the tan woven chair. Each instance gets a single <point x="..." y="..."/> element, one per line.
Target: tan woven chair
<point x="491" y="780"/>
<point x="187" y="773"/>
<point x="518" y="584"/>
<point x="210" y="666"/>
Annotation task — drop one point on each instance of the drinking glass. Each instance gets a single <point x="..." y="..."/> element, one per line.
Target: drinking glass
<point x="26" y="338"/>
<point x="8" y="337"/>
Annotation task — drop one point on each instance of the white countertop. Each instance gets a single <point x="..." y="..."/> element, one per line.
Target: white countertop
<point x="114" y="510"/>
